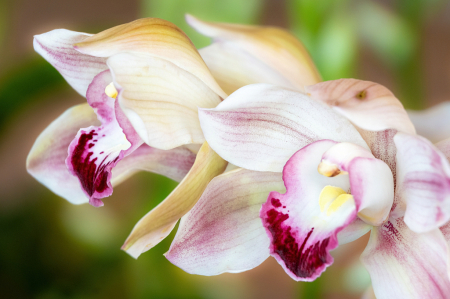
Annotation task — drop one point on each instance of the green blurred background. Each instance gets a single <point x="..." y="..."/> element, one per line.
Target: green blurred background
<point x="51" y="249"/>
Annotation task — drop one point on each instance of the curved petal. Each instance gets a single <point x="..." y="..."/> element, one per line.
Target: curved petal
<point x="160" y="221"/>
<point x="160" y="99"/>
<point x="223" y="232"/>
<point x="382" y="146"/>
<point x="153" y="37"/>
<point x="340" y="156"/>
<point x="301" y="233"/>
<point x="78" y="69"/>
<point x="275" y="47"/>
<point x="233" y="67"/>
<point x="404" y="264"/>
<point x="174" y="163"/>
<point x="423" y="180"/>
<point x="96" y="150"/>
<point x="368" y="105"/>
<point x="372" y="187"/>
<point x="46" y="160"/>
<point x="432" y="123"/>
<point x="260" y="126"/>
<point x="353" y="231"/>
<point x="371" y="180"/>
<point x="444" y="147"/>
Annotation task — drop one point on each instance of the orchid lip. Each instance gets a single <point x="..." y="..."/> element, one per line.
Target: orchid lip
<point x="332" y="198"/>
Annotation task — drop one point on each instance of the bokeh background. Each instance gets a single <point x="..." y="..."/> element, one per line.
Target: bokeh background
<point x="52" y="249"/>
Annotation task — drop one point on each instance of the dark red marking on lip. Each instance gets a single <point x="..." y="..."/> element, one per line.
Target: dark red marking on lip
<point x="276" y="202"/>
<point x="300" y="261"/>
<point x="93" y="179"/>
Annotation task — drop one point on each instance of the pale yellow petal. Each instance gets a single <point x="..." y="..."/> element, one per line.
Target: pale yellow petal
<point x="160" y="99"/>
<point x="275" y="47"/>
<point x="154" y="37"/>
<point x="159" y="222"/>
<point x="233" y="67"/>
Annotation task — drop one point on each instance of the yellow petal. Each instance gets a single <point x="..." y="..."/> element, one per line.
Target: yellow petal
<point x="159" y="222"/>
<point x="155" y="37"/>
<point x="328" y="195"/>
<point x="274" y="46"/>
<point x="160" y="99"/>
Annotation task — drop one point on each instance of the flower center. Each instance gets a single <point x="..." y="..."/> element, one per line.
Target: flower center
<point x="329" y="169"/>
<point x="111" y="90"/>
<point x="332" y="198"/>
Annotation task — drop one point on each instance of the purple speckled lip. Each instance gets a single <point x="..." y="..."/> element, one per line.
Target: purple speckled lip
<point x="94" y="179"/>
<point x="301" y="261"/>
<point x="301" y="247"/>
<point x="95" y="151"/>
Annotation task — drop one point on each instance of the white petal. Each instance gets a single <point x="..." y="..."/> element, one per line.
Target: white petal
<point x="432" y="123"/>
<point x="223" y="232"/>
<point x="423" y="180"/>
<point x="174" y="163"/>
<point x="78" y="69"/>
<point x="404" y="264"/>
<point x="353" y="231"/>
<point x="46" y="160"/>
<point x="260" y="126"/>
<point x="372" y="187"/>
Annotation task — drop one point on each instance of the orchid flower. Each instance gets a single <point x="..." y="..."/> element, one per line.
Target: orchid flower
<point x="239" y="55"/>
<point x="318" y="170"/>
<point x="144" y="81"/>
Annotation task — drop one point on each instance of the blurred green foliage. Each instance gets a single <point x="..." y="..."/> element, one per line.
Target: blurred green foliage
<point x="51" y="249"/>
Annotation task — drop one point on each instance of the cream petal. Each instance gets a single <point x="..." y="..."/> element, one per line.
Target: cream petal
<point x="160" y="221"/>
<point x="432" y="123"/>
<point x="368" y="105"/>
<point x="405" y="264"/>
<point x="154" y="37"/>
<point x="260" y="126"/>
<point x="233" y="67"/>
<point x="223" y="232"/>
<point x="423" y="180"/>
<point x="275" y="47"/>
<point x="78" y="69"/>
<point x="160" y="99"/>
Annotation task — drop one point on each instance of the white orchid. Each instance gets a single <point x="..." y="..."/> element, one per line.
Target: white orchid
<point x="144" y="81"/>
<point x="351" y="162"/>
